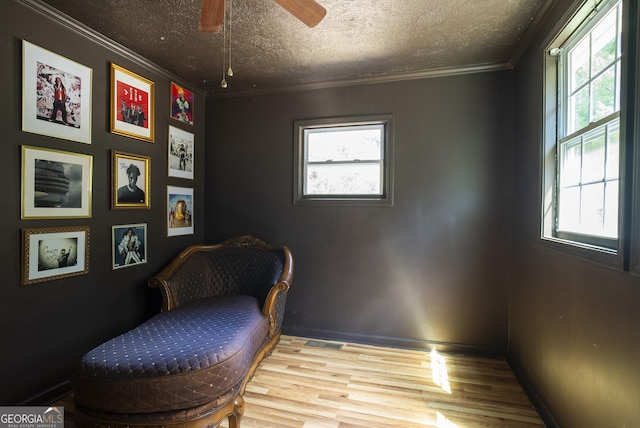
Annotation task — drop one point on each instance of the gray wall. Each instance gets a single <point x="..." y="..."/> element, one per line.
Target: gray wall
<point x="573" y="325"/>
<point x="45" y="328"/>
<point x="432" y="268"/>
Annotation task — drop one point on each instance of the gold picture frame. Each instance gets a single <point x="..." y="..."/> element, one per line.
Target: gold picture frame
<point x="132" y="104"/>
<point x="54" y="253"/>
<point x="127" y="190"/>
<point x="55" y="184"/>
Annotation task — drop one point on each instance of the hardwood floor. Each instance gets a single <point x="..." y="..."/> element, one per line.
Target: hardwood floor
<point x="319" y="384"/>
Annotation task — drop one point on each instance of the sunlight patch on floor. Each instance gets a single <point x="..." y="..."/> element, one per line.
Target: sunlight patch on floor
<point x="443" y="422"/>
<point x="439" y="371"/>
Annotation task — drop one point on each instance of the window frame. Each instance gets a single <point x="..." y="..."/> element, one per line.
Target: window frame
<point x="385" y="198"/>
<point x="610" y="252"/>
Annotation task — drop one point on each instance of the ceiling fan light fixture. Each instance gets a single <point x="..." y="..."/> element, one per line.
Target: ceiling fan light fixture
<point x="213" y="18"/>
<point x="223" y="83"/>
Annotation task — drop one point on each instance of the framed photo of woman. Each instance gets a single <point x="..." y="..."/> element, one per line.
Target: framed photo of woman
<point x="56" y="95"/>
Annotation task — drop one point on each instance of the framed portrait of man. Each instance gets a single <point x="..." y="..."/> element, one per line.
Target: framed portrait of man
<point x="130" y="181"/>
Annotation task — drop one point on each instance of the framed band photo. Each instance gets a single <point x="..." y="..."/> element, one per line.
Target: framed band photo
<point x="55" y="184"/>
<point x="132" y="98"/>
<point x="131" y="184"/>
<point x="180" y="153"/>
<point x="128" y="245"/>
<point x="53" y="253"/>
<point x="181" y="104"/>
<point x="56" y="95"/>
<point x="179" y="211"/>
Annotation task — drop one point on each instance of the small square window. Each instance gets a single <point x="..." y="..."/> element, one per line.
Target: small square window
<point x="346" y="160"/>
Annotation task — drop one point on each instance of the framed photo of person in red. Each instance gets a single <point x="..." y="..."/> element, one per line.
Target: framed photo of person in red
<point x="132" y="101"/>
<point x="56" y="95"/>
<point x="181" y="104"/>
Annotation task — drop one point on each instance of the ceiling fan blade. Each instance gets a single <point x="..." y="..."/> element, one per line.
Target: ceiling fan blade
<point x="212" y="16"/>
<point x="307" y="11"/>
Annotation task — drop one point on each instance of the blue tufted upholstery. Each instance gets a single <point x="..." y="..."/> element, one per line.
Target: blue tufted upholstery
<point x="177" y="359"/>
<point x="251" y="271"/>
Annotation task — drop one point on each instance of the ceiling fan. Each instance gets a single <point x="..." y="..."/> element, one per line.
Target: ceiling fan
<point x="307" y="11"/>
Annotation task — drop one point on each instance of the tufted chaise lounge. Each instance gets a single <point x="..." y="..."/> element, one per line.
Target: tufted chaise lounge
<point x="188" y="366"/>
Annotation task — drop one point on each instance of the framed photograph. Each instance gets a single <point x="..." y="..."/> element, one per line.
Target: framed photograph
<point x="56" y="95"/>
<point x="131" y="180"/>
<point x="55" y="184"/>
<point x="53" y="253"/>
<point x="131" y="104"/>
<point x="180" y="153"/>
<point x="128" y="245"/>
<point x="181" y="104"/>
<point x="179" y="211"/>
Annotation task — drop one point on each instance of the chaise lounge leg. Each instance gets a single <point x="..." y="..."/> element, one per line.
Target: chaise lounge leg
<point x="238" y="411"/>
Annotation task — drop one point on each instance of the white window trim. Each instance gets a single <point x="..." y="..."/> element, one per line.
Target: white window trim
<point x="386" y="196"/>
<point x="612" y="256"/>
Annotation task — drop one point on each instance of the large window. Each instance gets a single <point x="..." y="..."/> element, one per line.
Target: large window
<point x="582" y="147"/>
<point x="345" y="160"/>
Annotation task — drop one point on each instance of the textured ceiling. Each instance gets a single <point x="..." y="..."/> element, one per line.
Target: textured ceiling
<point x="358" y="39"/>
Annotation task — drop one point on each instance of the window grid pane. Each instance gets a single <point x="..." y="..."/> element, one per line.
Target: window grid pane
<point x="610" y="227"/>
<point x="604" y="43"/>
<point x="594" y="155"/>
<point x="579" y="110"/>
<point x="588" y="182"/>
<point x="603" y="93"/>
<point x="612" y="166"/>
<point x="571" y="165"/>
<point x="344" y="144"/>
<point x="591" y="209"/>
<point x="579" y="62"/>
<point x="593" y="73"/>
<point x="344" y="179"/>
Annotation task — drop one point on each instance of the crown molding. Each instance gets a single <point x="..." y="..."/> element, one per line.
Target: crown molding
<point x="398" y="77"/>
<point x="89" y="33"/>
